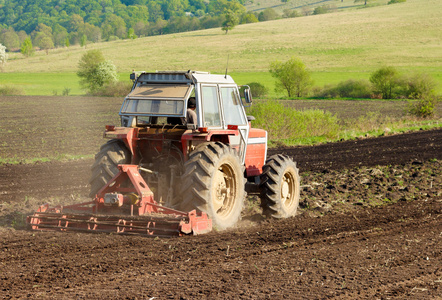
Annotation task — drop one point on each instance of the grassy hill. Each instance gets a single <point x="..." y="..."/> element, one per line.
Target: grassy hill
<point x="308" y="5"/>
<point x="336" y="46"/>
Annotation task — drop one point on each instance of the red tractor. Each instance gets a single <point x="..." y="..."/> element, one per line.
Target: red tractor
<point x="158" y="167"/>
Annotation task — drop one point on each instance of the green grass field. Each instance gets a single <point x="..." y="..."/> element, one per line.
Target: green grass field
<point x="55" y="83"/>
<point x="335" y="47"/>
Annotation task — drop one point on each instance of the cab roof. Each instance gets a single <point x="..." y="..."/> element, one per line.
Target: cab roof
<point x="182" y="77"/>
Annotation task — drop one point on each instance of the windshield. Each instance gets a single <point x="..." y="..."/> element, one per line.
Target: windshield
<point x="156" y="100"/>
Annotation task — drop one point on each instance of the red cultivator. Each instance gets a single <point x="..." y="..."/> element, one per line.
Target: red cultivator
<point x="123" y="208"/>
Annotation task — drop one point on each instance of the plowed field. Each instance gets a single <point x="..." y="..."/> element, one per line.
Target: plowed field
<point x="369" y="227"/>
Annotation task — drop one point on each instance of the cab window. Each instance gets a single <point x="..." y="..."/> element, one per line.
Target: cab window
<point x="210" y="107"/>
<point x="233" y="111"/>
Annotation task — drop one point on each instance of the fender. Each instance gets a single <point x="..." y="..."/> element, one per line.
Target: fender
<point x="129" y="135"/>
<point x="193" y="137"/>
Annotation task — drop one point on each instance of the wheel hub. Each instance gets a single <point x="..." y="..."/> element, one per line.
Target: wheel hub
<point x="287" y="190"/>
<point x="221" y="191"/>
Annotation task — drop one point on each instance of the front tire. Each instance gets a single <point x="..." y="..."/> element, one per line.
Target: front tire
<point x="105" y="167"/>
<point x="213" y="182"/>
<point x="280" y="187"/>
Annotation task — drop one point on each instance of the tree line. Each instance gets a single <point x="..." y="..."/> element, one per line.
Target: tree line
<point x="47" y="24"/>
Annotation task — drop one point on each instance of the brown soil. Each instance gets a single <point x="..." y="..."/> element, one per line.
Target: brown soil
<point x="370" y="227"/>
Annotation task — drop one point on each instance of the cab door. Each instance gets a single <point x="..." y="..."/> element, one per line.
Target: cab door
<point x="234" y="114"/>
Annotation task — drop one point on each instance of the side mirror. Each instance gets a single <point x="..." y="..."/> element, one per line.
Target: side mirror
<point x="247" y="96"/>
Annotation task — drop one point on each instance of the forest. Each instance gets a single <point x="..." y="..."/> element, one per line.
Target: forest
<point x="58" y="23"/>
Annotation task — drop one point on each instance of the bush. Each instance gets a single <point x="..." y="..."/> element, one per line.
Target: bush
<point x="258" y="90"/>
<point x="10" y="90"/>
<point x="423" y="108"/>
<point x="386" y="81"/>
<point x="328" y="91"/>
<point x="66" y="91"/>
<point x="114" y="89"/>
<point x="288" y="124"/>
<point x="418" y="86"/>
<point x="289" y="13"/>
<point x="396" y="1"/>
<point x="347" y="89"/>
<point x="323" y="9"/>
<point x="355" y="89"/>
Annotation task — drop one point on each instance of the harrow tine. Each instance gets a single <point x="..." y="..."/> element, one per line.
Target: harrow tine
<point x="168" y="225"/>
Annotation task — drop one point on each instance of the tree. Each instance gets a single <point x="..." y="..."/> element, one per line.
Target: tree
<point x="319" y="10"/>
<point x="385" y="80"/>
<point x="288" y="13"/>
<point x="131" y="34"/>
<point x="46" y="43"/>
<point x="230" y="22"/>
<point x="113" y="26"/>
<point x="3" y="56"/>
<point x="292" y="77"/>
<point x="106" y="73"/>
<point x="42" y="37"/>
<point x="93" y="33"/>
<point x="249" y="18"/>
<point x="83" y="41"/>
<point x="59" y="36"/>
<point x="9" y="38"/>
<point x="26" y="47"/>
<point x="94" y="71"/>
<point x="268" y="14"/>
<point x="365" y="1"/>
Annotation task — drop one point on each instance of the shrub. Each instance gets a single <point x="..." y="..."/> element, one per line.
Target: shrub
<point x="268" y="14"/>
<point x="287" y="123"/>
<point x="323" y="9"/>
<point x="354" y="89"/>
<point x="418" y="86"/>
<point x="423" y="108"/>
<point x="10" y="90"/>
<point x="328" y="91"/>
<point x="396" y="1"/>
<point x="385" y="81"/>
<point x="258" y="90"/>
<point x="114" y="89"/>
<point x="346" y="89"/>
<point x="289" y="13"/>
<point x="66" y="91"/>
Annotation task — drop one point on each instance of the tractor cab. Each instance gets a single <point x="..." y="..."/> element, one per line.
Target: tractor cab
<point x="160" y="100"/>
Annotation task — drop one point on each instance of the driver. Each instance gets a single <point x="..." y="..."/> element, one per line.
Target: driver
<point x="191" y="117"/>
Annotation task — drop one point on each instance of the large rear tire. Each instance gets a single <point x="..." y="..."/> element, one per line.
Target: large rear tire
<point x="213" y="182"/>
<point x="111" y="154"/>
<point x="280" y="187"/>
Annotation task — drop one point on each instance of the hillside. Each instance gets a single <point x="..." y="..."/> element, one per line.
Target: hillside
<point x="304" y="6"/>
<point x="335" y="47"/>
<point x="403" y="35"/>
